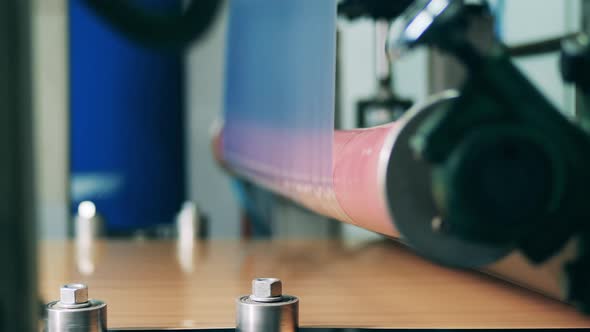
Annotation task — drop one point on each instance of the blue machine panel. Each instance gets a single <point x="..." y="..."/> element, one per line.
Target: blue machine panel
<point x="126" y="124"/>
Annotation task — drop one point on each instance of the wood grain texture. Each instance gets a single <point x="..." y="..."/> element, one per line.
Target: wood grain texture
<point x="152" y="285"/>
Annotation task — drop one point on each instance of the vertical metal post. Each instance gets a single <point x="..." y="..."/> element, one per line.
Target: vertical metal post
<point x="18" y="286"/>
<point x="382" y="62"/>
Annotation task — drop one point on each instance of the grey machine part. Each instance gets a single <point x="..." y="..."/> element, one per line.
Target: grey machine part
<point x="19" y="304"/>
<point x="75" y="312"/>
<point x="267" y="309"/>
<point x="409" y="192"/>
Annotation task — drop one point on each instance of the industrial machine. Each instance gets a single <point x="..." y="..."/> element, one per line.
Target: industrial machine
<point x="465" y="178"/>
<point x="506" y="165"/>
<point x="468" y="178"/>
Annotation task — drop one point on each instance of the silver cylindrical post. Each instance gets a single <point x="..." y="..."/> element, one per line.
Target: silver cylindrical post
<point x="88" y="227"/>
<point x="74" y="312"/>
<point x="267" y="309"/>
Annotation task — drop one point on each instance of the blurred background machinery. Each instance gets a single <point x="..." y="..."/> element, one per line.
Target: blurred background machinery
<point x="199" y="90"/>
<point x="137" y="147"/>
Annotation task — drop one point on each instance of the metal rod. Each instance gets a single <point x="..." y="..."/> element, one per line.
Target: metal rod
<point x="382" y="65"/>
<point x="538" y="47"/>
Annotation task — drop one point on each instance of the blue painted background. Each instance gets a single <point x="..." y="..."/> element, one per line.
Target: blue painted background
<point x="126" y="124"/>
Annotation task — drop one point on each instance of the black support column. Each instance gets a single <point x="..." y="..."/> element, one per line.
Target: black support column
<point x="18" y="282"/>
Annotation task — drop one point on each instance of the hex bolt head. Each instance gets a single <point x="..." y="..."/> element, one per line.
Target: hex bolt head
<point x="73" y="294"/>
<point x="266" y="290"/>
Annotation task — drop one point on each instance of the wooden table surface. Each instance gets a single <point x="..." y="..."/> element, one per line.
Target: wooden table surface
<point x="163" y="285"/>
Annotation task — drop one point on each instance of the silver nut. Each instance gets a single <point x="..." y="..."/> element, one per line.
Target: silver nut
<point x="265" y="289"/>
<point x="73" y="294"/>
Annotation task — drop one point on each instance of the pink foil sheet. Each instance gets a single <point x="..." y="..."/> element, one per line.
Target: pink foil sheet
<point x="356" y="192"/>
<point x="279" y="98"/>
<point x="279" y="114"/>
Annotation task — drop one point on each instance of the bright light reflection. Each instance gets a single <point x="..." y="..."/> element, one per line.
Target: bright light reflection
<point x="87" y="209"/>
<point x="435" y="7"/>
<point x="418" y="25"/>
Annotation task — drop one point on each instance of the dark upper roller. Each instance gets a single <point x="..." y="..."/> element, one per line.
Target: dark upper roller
<point x="173" y="29"/>
<point x="375" y="9"/>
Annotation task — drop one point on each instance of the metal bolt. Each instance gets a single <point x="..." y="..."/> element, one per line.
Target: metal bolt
<point x="74" y="294"/>
<point x="75" y="312"/>
<point x="266" y="290"/>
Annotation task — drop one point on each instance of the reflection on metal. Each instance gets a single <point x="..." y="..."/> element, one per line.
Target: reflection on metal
<point x="409" y="28"/>
<point x="87" y="210"/>
<point x="88" y="226"/>
<point x="188" y="223"/>
<point x="187" y="226"/>
<point x="85" y="259"/>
